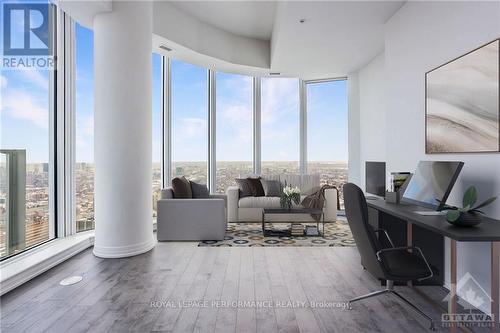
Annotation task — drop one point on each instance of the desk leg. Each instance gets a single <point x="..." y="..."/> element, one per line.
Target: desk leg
<point x="409" y="234"/>
<point x="409" y="242"/>
<point x="495" y="249"/>
<point x="452" y="302"/>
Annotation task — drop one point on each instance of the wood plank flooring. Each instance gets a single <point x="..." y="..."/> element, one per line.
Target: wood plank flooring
<point x="179" y="287"/>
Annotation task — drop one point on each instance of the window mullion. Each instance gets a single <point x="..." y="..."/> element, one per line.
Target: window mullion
<point x="303" y="127"/>
<point x="257" y="126"/>
<point x="166" y="122"/>
<point x="212" y="158"/>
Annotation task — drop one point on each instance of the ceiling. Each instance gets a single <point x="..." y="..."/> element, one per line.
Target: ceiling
<point x="252" y="19"/>
<point x="259" y="37"/>
<point x="336" y="38"/>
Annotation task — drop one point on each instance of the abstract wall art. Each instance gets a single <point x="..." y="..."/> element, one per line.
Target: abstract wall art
<point x="462" y="103"/>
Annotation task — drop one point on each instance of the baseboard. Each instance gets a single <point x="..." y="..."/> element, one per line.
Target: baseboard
<point x="124" y="251"/>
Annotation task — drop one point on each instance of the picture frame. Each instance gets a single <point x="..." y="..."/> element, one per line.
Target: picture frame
<point x="462" y="99"/>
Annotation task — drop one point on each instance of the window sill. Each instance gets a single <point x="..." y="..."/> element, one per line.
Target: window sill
<point x="26" y="265"/>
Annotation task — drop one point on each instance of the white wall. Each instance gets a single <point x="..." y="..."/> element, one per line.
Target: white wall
<point x="372" y="113"/>
<point x="419" y="37"/>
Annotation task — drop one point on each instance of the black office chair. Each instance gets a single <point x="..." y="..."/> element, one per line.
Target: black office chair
<point x="393" y="264"/>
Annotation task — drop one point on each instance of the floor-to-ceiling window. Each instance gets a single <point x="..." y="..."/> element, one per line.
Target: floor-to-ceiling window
<point x="327" y="132"/>
<point x="280" y="125"/>
<point x="189" y="121"/>
<point x="26" y="144"/>
<point x="157" y="129"/>
<point x="84" y="128"/>
<point x="234" y="147"/>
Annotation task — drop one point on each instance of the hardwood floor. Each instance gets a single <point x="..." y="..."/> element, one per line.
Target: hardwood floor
<point x="146" y="293"/>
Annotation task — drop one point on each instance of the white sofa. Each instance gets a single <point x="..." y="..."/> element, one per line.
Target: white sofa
<point x="249" y="209"/>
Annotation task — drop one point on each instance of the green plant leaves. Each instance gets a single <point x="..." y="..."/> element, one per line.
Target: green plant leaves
<point x="470" y="197"/>
<point x="486" y="203"/>
<point x="452" y="215"/>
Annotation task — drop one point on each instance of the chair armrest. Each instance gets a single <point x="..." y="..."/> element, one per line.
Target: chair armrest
<point x="167" y="193"/>
<point x="405" y="248"/>
<point x="233" y="197"/>
<point x="191" y="219"/>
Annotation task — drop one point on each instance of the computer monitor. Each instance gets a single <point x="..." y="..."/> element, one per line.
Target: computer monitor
<point x="375" y="178"/>
<point x="432" y="182"/>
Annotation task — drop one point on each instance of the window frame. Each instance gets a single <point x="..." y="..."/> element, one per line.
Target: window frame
<point x="211" y="128"/>
<point x="55" y="132"/>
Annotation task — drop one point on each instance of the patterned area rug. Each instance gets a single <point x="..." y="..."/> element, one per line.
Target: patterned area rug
<point x="250" y="234"/>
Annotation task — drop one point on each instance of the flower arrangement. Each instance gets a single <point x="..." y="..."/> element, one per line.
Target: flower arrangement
<point x="289" y="195"/>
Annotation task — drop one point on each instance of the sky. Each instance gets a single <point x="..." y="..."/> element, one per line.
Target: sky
<point x="24" y="118"/>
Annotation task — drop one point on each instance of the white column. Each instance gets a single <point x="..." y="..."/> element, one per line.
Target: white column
<point x="122" y="130"/>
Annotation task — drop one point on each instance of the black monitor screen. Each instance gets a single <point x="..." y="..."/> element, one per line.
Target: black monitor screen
<point x="432" y="183"/>
<point x="375" y="178"/>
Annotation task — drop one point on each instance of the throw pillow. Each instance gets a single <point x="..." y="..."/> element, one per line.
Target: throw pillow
<point x="181" y="188"/>
<point x="256" y="187"/>
<point x="200" y="191"/>
<point x="244" y="186"/>
<point x="272" y="188"/>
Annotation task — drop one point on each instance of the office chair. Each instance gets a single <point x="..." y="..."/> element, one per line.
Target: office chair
<point x="393" y="264"/>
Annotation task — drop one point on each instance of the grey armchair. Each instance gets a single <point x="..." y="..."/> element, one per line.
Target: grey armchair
<point x="191" y="219"/>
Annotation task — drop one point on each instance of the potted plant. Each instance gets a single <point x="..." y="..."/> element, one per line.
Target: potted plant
<point x="289" y="195"/>
<point x="467" y="215"/>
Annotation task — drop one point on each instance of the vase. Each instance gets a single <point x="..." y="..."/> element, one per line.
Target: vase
<point x="286" y="203"/>
<point x="466" y="220"/>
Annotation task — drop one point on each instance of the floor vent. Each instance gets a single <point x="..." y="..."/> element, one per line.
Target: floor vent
<point x="71" y="280"/>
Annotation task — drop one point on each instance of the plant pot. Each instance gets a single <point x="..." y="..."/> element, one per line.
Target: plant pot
<point x="467" y="220"/>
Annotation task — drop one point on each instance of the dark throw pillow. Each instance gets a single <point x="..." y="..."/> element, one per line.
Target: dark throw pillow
<point x="272" y="188"/>
<point x="256" y="187"/>
<point x="200" y="191"/>
<point x="181" y="188"/>
<point x="244" y="187"/>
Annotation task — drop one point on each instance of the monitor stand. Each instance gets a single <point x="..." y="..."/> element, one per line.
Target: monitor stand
<point x="371" y="197"/>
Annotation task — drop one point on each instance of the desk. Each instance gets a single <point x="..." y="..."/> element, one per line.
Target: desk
<point x="487" y="231"/>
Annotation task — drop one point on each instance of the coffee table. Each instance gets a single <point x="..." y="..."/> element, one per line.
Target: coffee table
<point x="293" y="211"/>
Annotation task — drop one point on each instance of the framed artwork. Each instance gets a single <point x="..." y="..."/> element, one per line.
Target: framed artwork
<point x="462" y="103"/>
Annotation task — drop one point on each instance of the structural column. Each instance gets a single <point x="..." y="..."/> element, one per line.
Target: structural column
<point x="122" y="130"/>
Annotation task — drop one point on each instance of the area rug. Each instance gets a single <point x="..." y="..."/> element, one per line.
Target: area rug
<point x="250" y="234"/>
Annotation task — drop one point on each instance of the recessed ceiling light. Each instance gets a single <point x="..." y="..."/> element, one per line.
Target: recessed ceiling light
<point x="166" y="48"/>
<point x="274" y="73"/>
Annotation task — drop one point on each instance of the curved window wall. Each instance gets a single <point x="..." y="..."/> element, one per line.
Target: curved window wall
<point x="189" y="114"/>
<point x="280" y="126"/>
<point x="234" y="139"/>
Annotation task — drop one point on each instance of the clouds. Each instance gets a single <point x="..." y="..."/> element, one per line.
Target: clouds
<point x="39" y="79"/>
<point x="280" y="119"/>
<point x="3" y="82"/>
<point x="280" y="98"/>
<point x="190" y="128"/>
<point x="23" y="105"/>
